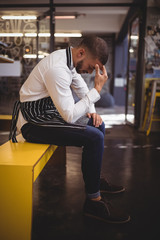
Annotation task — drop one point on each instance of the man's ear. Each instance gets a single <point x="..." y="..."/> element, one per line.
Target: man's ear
<point x="81" y="52"/>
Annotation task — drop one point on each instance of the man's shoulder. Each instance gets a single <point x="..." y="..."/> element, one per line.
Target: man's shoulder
<point x="58" y="53"/>
<point x="58" y="58"/>
<point x="55" y="60"/>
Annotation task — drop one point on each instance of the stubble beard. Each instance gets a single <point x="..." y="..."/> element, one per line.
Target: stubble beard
<point x="79" y="66"/>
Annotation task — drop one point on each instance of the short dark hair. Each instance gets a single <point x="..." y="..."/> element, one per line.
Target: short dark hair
<point x="96" y="46"/>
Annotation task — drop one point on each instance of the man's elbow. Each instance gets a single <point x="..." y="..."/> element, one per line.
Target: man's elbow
<point x="68" y="117"/>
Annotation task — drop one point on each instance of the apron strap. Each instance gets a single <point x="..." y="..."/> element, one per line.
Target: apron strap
<point x="16" y="108"/>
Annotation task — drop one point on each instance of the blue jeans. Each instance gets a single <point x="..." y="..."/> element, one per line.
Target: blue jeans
<point x="91" y="139"/>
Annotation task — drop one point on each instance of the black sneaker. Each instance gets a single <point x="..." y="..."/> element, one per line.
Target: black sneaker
<point x="107" y="187"/>
<point x="102" y="210"/>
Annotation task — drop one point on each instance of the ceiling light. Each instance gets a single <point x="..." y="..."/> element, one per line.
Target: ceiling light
<point x="11" y="34"/>
<point x="60" y="35"/>
<point x="68" y="35"/>
<point x="9" y="17"/>
<point x="134" y="37"/>
<point x="34" y="56"/>
<point x="40" y="34"/>
<point x="30" y="56"/>
<point x="44" y="34"/>
<point x="65" y="17"/>
<point x="19" y="17"/>
<point x="30" y="34"/>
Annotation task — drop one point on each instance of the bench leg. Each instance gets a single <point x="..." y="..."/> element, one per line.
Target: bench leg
<point x="16" y="185"/>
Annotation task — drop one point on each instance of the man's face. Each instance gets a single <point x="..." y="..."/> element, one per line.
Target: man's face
<point x="87" y="65"/>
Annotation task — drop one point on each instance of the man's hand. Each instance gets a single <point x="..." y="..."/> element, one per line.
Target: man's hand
<point x="100" y="79"/>
<point x="97" y="120"/>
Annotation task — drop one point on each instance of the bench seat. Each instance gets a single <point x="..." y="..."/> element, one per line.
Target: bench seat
<point x="20" y="165"/>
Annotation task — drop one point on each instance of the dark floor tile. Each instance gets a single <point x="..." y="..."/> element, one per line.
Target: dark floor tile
<point x="131" y="159"/>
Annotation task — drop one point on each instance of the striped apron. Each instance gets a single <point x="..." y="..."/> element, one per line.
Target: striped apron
<point x="41" y="112"/>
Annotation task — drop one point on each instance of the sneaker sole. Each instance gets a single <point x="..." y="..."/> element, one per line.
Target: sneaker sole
<point x="107" y="221"/>
<point x="114" y="192"/>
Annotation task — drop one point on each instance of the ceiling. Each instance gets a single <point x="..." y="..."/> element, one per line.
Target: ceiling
<point x="101" y="19"/>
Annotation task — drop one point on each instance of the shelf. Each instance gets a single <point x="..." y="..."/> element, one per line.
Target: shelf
<point x="6" y="60"/>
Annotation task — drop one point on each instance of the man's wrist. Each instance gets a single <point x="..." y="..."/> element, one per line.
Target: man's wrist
<point x="98" y="88"/>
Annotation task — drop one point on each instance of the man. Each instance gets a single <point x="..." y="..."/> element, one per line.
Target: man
<point x="49" y="114"/>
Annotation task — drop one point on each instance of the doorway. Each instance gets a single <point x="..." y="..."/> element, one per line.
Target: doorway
<point x="132" y="70"/>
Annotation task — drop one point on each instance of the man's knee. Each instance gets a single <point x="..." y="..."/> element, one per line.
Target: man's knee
<point x="98" y="138"/>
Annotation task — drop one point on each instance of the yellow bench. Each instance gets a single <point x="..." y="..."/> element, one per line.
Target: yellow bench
<point x="20" y="165"/>
<point x="5" y="117"/>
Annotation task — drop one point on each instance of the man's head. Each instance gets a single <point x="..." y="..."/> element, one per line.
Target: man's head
<point x="92" y="50"/>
